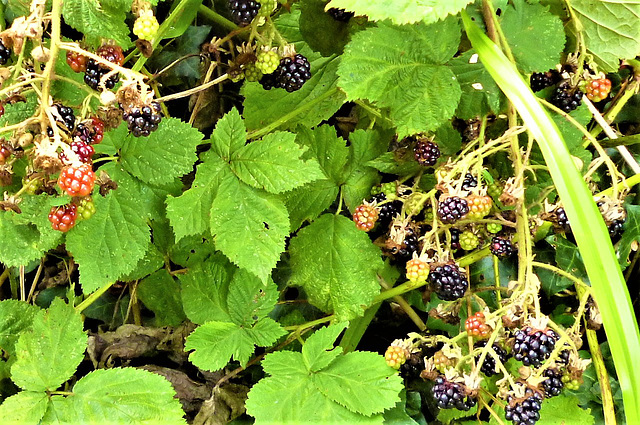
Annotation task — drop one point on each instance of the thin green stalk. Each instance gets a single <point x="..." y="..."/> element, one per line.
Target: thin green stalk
<point x="216" y="18"/>
<point x="609" y="288"/>
<point x="93" y="297"/>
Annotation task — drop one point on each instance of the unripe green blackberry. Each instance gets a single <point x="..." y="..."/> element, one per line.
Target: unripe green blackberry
<point x="267" y="8"/>
<point x="86" y="209"/>
<point x="267" y="62"/>
<point x="252" y="73"/>
<point x="469" y="241"/>
<point x="494" y="227"/>
<point x="495" y="189"/>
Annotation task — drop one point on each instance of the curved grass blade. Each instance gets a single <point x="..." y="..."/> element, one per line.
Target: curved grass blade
<point x="609" y="286"/>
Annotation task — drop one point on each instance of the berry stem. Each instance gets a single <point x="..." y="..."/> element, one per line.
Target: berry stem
<point x="93" y="297"/>
<point x="404" y="305"/>
<point x="197" y="89"/>
<point x="216" y="18"/>
<point x="56" y="25"/>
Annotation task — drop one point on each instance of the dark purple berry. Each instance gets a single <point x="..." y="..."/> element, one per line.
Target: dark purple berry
<point x="562" y="219"/>
<point x="449" y="395"/>
<point x="5" y="53"/>
<point x="616" y="228"/>
<point x="533" y="347"/>
<point x="143" y="121"/>
<point x="469" y="182"/>
<point x="426" y="153"/>
<point x="501" y="247"/>
<point x="94" y="74"/>
<point x="449" y="282"/>
<point x="553" y="385"/>
<point x="340" y="14"/>
<point x="542" y="80"/>
<point x="489" y="367"/>
<point x="388" y="210"/>
<point x="566" y="98"/>
<point x="452" y="209"/>
<point x="455" y="239"/>
<point x="243" y="11"/>
<point x="524" y="411"/>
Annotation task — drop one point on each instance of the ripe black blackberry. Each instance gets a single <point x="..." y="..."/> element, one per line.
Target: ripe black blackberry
<point x="524" y="411"/>
<point x="243" y="11"/>
<point x="469" y="182"/>
<point x="489" y="365"/>
<point x="534" y="346"/>
<point x="388" y="210"/>
<point x="426" y="153"/>
<point x="340" y="14"/>
<point x="65" y="116"/>
<point x="616" y="228"/>
<point x="143" y="121"/>
<point x="561" y="218"/>
<point x="269" y="81"/>
<point x="553" y="385"/>
<point x="542" y="80"/>
<point x="501" y="247"/>
<point x="293" y="72"/>
<point x="94" y="74"/>
<point x="451" y="395"/>
<point x="409" y="245"/>
<point x="566" y="97"/>
<point x="449" y="282"/>
<point x="5" y="53"/>
<point x="455" y="239"/>
<point x="452" y="209"/>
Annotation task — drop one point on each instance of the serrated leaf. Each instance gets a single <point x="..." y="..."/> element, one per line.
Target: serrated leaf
<point x="394" y="163"/>
<point x="17" y="112"/>
<point x="91" y="19"/>
<point x="318" y="351"/>
<point x="49" y="354"/>
<point x="320" y="31"/>
<point x="249" y="299"/>
<point x="309" y="201"/>
<point x="120" y="238"/>
<point x="610" y="29"/>
<point x="215" y="343"/>
<point x="402" y="11"/>
<point x="229" y="135"/>
<point x="126" y="395"/>
<point x="113" y="140"/>
<point x="564" y="410"/>
<point x="243" y="217"/>
<point x="169" y="152"/>
<point x="161" y="294"/>
<point x="317" y="100"/>
<point x="204" y="292"/>
<point x="535" y="36"/>
<point x="329" y="149"/>
<point x="381" y="64"/>
<point x="189" y="213"/>
<point x="360" y="381"/>
<point x="24" y="408"/>
<point x="15" y="317"/>
<point x="336" y="264"/>
<point x="631" y="235"/>
<point x="151" y="262"/>
<point x="274" y="163"/>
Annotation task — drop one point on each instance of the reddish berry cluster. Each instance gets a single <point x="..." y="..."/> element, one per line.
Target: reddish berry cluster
<point x="91" y="131"/>
<point x="365" y="217"/>
<point x="80" y="148"/>
<point x="76" y="61"/>
<point x="475" y="326"/>
<point x="64" y="217"/>
<point x="395" y="356"/>
<point x="417" y="270"/>
<point x="77" y="180"/>
<point x="4" y="154"/>
<point x="598" y="89"/>
<point x="479" y="206"/>
<point x="95" y="71"/>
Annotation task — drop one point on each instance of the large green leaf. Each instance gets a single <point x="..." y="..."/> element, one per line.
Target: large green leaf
<point x="609" y="286"/>
<point x="402" y="11"/>
<point x="24" y="408"/>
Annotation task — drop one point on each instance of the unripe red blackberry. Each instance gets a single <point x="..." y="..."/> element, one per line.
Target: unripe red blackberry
<point x="426" y="153"/>
<point x="417" y="270"/>
<point x="63" y="218"/>
<point x="475" y="326"/>
<point x="243" y="11"/>
<point x="534" y="346"/>
<point x="111" y="53"/>
<point x="84" y="152"/>
<point x="452" y="209"/>
<point x="448" y="280"/>
<point x="451" y="395"/>
<point x="598" y="89"/>
<point x="76" y="61"/>
<point x="524" y="411"/>
<point x="5" y="153"/>
<point x="479" y="206"/>
<point x="365" y="217"/>
<point x="95" y="71"/>
<point x="501" y="247"/>
<point x="489" y="366"/>
<point x="90" y="132"/>
<point x="77" y="180"/>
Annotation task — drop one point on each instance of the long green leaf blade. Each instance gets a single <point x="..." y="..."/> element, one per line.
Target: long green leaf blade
<point x="609" y="287"/>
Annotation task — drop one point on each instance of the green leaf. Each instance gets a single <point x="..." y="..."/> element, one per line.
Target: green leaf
<point x="309" y="201"/>
<point x="274" y="163"/>
<point x="126" y="395"/>
<point x="204" y="292"/>
<point x="249" y="299"/>
<point x="71" y="93"/>
<point x="161" y="294"/>
<point x="181" y="21"/>
<point x="169" y="152"/>
<point x="24" y="408"/>
<point x="631" y="233"/>
<point x="564" y="410"/>
<point x="120" y="238"/>
<point x="609" y="287"/>
<point x="321" y="32"/>
<point x="317" y="100"/>
<point x="480" y="94"/>
<point x="535" y="36"/>
<point x="95" y="22"/>
<point x="295" y="394"/>
<point x="336" y="264"/>
<point x="49" y="354"/>
<point x="381" y="64"/>
<point x="15" y="318"/>
<point x="243" y="217"/>
<point x="610" y="29"/>
<point x="402" y="11"/>
<point x="18" y="112"/>
<point x="214" y="343"/>
<point x="189" y="212"/>
<point x="229" y="135"/>
<point x="151" y="262"/>
<point x="330" y="150"/>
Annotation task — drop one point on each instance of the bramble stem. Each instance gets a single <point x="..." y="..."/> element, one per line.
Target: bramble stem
<point x="56" y="14"/>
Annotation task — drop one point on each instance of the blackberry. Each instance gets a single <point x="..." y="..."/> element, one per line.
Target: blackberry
<point x="455" y="239"/>
<point x="388" y="210"/>
<point x="426" y="153"/>
<point x="489" y="365"/>
<point x="533" y="346"/>
<point x="5" y="53"/>
<point x="452" y="209"/>
<point x="449" y="282"/>
<point x="615" y="229"/>
<point x="80" y="148"/>
<point x="143" y="121"/>
<point x="293" y="72"/>
<point x="469" y="182"/>
<point x="553" y="385"/>
<point x="451" y="395"/>
<point x="269" y="81"/>
<point x="542" y="80"/>
<point x="243" y="11"/>
<point x="340" y="14"/>
<point x="566" y="98"/>
<point x="94" y="74"/>
<point x="501" y="247"/>
<point x="524" y="411"/>
<point x="90" y="132"/>
<point x="561" y="218"/>
<point x="64" y="115"/>
<point x="409" y="245"/>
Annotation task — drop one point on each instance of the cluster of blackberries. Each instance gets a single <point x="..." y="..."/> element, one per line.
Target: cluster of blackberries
<point x="243" y="11"/>
<point x="542" y="80"/>
<point x="387" y="211"/>
<point x="143" y="121"/>
<point x="290" y="75"/>
<point x="525" y="411"/>
<point x="561" y="218"/>
<point x="451" y="395"/>
<point x="449" y="282"/>
<point x="469" y="182"/>
<point x="94" y="71"/>
<point x="65" y="116"/>
<point x="615" y="229"/>
<point x="501" y="247"/>
<point x="5" y="53"/>
<point x="340" y="14"/>
<point x="553" y="385"/>
<point x="565" y="97"/>
<point x="426" y="153"/>
<point x="489" y="365"/>
<point x="533" y="346"/>
<point x="452" y="209"/>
